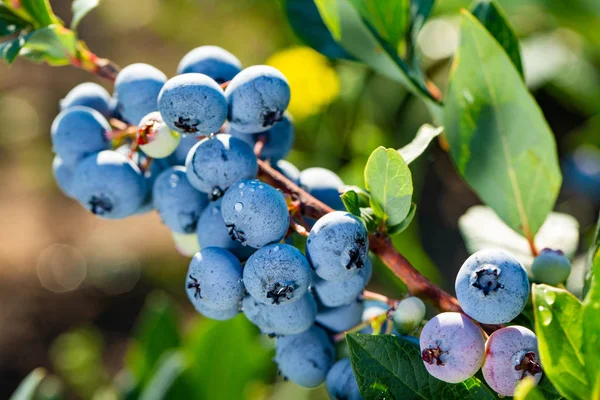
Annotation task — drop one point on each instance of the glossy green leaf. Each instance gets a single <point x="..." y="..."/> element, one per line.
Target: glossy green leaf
<point x="10" y="22"/>
<point x="80" y="9"/>
<point x="389" y="181"/>
<point x="546" y="388"/>
<point x="40" y="12"/>
<point x="489" y="13"/>
<point x="9" y="50"/>
<point x="329" y="12"/>
<point x="558" y="325"/>
<point x="499" y="140"/>
<point x="389" y="367"/>
<point x="172" y="379"/>
<point x="593" y="261"/>
<point x="389" y="18"/>
<point x="591" y="325"/>
<point x="55" y="45"/>
<point x="350" y="200"/>
<point x="28" y="388"/>
<point x="397" y="229"/>
<point x="419" y="144"/>
<point x="527" y="390"/>
<point x="419" y="12"/>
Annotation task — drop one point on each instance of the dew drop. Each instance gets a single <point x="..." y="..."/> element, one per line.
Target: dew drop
<point x="550" y="297"/>
<point x="276" y="248"/>
<point x="238" y="207"/>
<point x="545" y="315"/>
<point x="261" y="187"/>
<point x="241" y="186"/>
<point x="251" y="189"/>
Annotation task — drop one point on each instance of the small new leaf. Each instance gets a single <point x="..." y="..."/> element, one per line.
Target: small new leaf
<point x="389" y="18"/>
<point x="53" y="44"/>
<point x="370" y="219"/>
<point x="350" y="200"/>
<point x="419" y="144"/>
<point x="40" y="12"/>
<point x="28" y="388"/>
<point x="397" y="229"/>
<point x="9" y="50"/>
<point x="80" y="9"/>
<point x="10" y="22"/>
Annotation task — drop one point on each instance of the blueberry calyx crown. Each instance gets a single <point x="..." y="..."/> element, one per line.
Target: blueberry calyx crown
<point x="187" y="125"/>
<point x="194" y="284"/>
<point x="100" y="205"/>
<point x="528" y="365"/>
<point x="280" y="292"/>
<point x="236" y="234"/>
<point x="270" y="117"/>
<point x="356" y="254"/>
<point x="432" y="355"/>
<point x="486" y="278"/>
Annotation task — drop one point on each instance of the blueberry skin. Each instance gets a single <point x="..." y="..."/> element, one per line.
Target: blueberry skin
<point x="505" y="362"/>
<point x="551" y="267"/>
<point x="212" y="232"/>
<point x="109" y="185"/>
<point x="277" y="274"/>
<point x="341" y="383"/>
<point x="339" y="293"/>
<point x="288" y="170"/>
<point x="255" y="213"/>
<point x="214" y="279"/>
<point x="136" y="89"/>
<point x="337" y="246"/>
<point x="180" y="154"/>
<point x="324" y="185"/>
<point x="340" y="319"/>
<point x="78" y="132"/>
<point x="63" y="175"/>
<point x="213" y="61"/>
<point x="257" y="98"/>
<point x="193" y="103"/>
<point x="177" y="202"/>
<point x="452" y="347"/>
<point x="281" y="319"/>
<point x="278" y="140"/>
<point x="492" y="287"/>
<point x="305" y="358"/>
<point x="218" y="315"/>
<point x="89" y="94"/>
<point x="217" y="162"/>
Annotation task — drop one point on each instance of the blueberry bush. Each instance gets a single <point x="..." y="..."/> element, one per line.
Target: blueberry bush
<point x="295" y="251"/>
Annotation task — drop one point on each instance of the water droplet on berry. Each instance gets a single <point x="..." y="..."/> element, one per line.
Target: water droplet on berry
<point x="238" y="207"/>
<point x="241" y="186"/>
<point x="276" y="248"/>
<point x="261" y="187"/>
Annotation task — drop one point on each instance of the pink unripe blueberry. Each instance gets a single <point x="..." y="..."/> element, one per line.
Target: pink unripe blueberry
<point x="511" y="354"/>
<point x="452" y="347"/>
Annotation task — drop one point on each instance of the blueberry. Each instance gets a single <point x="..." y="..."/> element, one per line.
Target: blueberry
<point x="281" y="319"/>
<point x="156" y="139"/>
<point x="337" y="246"/>
<point x="551" y="267"/>
<point x="177" y="202"/>
<point x="212" y="232"/>
<point x="89" y="94"/>
<point x="408" y="315"/>
<point x="452" y="347"/>
<point x="63" y="175"/>
<point x="340" y="319"/>
<point x="180" y="154"/>
<point x="323" y="184"/>
<point x="277" y="274"/>
<point x="214" y="279"/>
<point x="278" y="140"/>
<point x="257" y="98"/>
<point x="255" y="213"/>
<point x="185" y="243"/>
<point x="511" y="354"/>
<point x="136" y="90"/>
<point x="305" y="358"/>
<point x="215" y="163"/>
<point x="339" y="293"/>
<point x="193" y="103"/>
<point x="492" y="287"/>
<point x="288" y="170"/>
<point x="341" y="383"/>
<point x="213" y="61"/>
<point x="219" y="315"/>
<point x="78" y="132"/>
<point x="109" y="185"/>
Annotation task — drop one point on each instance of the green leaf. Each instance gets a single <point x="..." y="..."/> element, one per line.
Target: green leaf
<point x="527" y="390"/>
<point x="40" y="12"/>
<point x="397" y="229"/>
<point x="9" y="50"/>
<point x="29" y="386"/>
<point x="55" y="45"/>
<point x="329" y="12"/>
<point x="593" y="260"/>
<point x="80" y="9"/>
<point x="10" y="22"/>
<point x="350" y="200"/>
<point x="364" y="198"/>
<point x="419" y="12"/>
<point x="558" y="325"/>
<point x="172" y="379"/>
<point x="591" y="326"/>
<point x="389" y="181"/>
<point x="389" y="367"/>
<point x="419" y="144"/>
<point x="389" y="18"/>
<point x="489" y="13"/>
<point x="370" y="218"/>
<point x="499" y="140"/>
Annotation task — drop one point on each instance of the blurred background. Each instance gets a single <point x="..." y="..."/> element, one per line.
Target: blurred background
<point x="101" y="305"/>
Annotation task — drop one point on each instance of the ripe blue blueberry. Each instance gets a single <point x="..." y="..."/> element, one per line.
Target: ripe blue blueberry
<point x="305" y="358"/>
<point x="180" y="154"/>
<point x="109" y="185"/>
<point x="212" y="232"/>
<point x="193" y="103"/>
<point x="323" y="184"/>
<point x="278" y="140"/>
<point x="337" y="246"/>
<point x="511" y="354"/>
<point x="63" y="175"/>
<point x="340" y="319"/>
<point x="339" y="293"/>
<point x="408" y="315"/>
<point x="219" y="315"/>
<point x="218" y="161"/>
<point x="89" y="94"/>
<point x="281" y="319"/>
<point x="255" y="213"/>
<point x="257" y="98"/>
<point x="78" y="132"/>
<point x="341" y="383"/>
<point x="136" y="90"/>
<point x="551" y="267"/>
<point x="277" y="274"/>
<point x="214" y="279"/>
<point x="288" y="170"/>
<point x="177" y="202"/>
<point x="492" y="287"/>
<point x="452" y="347"/>
<point x="213" y="61"/>
<point x="155" y="138"/>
